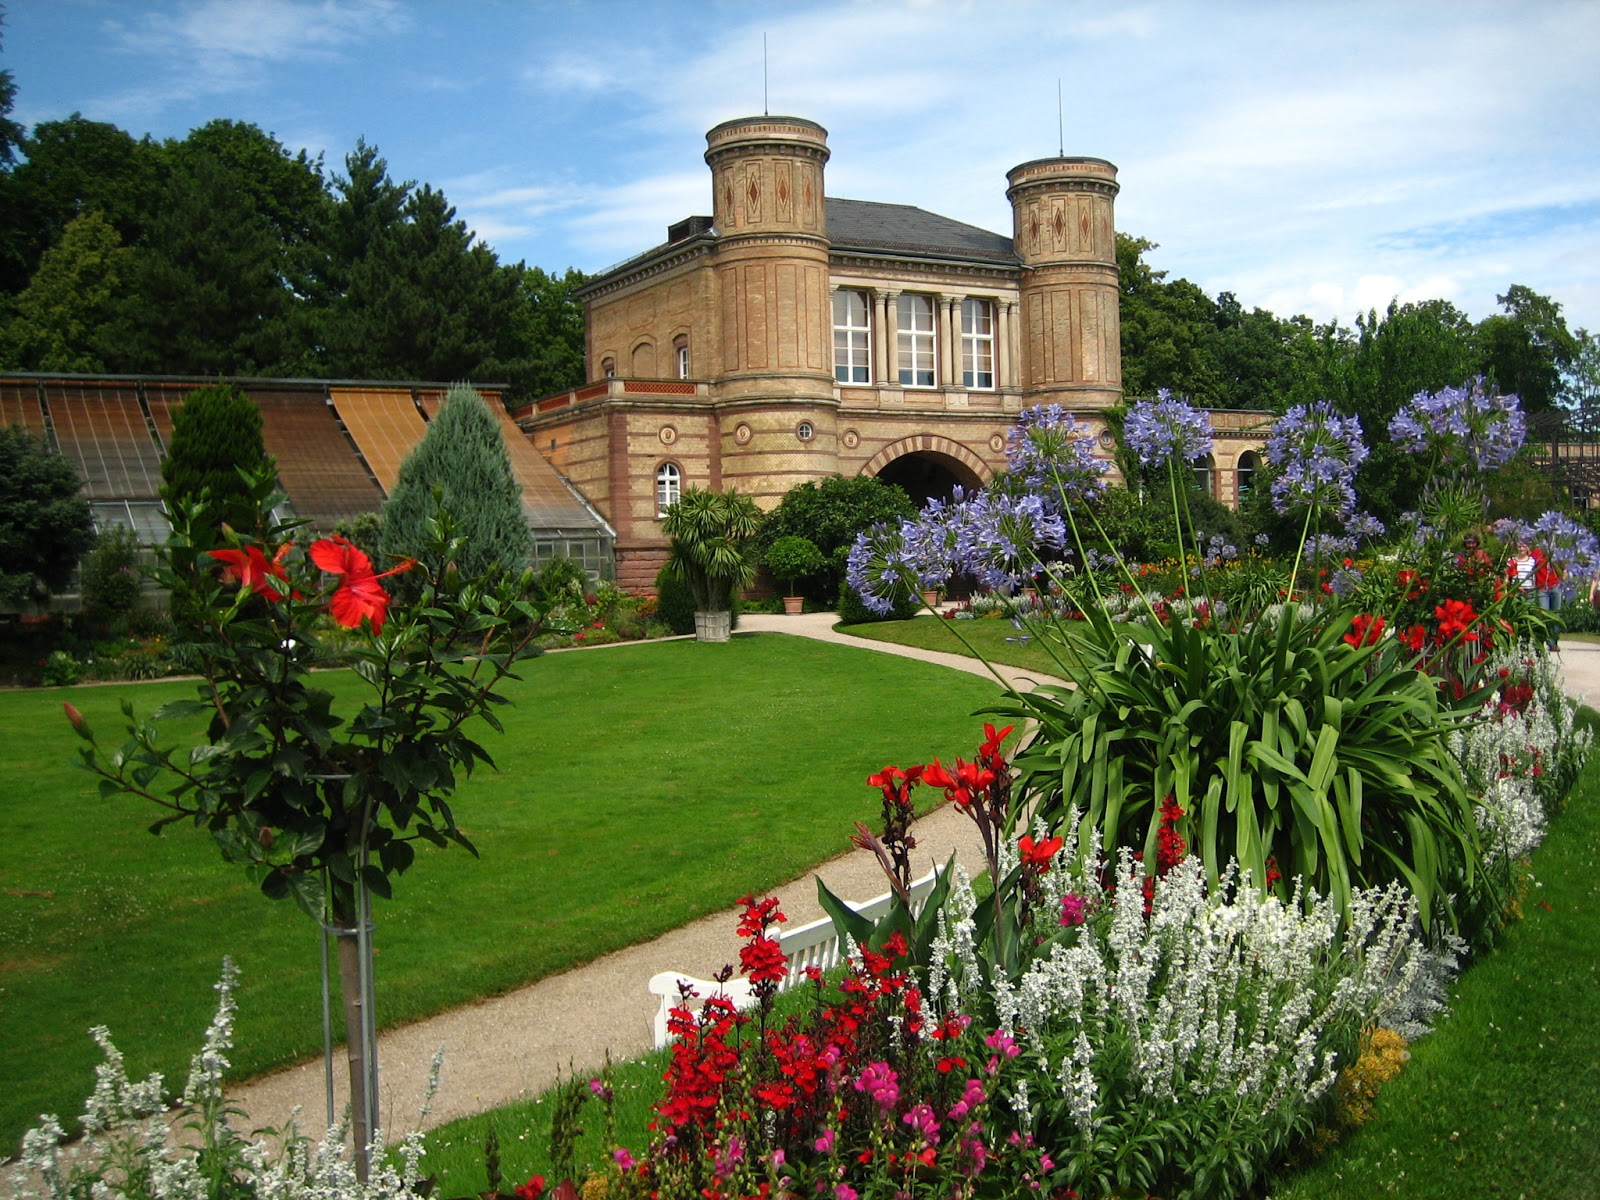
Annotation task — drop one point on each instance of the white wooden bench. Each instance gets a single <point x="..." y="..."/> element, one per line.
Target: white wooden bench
<point x="813" y="945"/>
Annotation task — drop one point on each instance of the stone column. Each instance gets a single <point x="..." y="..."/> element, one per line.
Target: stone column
<point x="1005" y="312"/>
<point x="949" y="331"/>
<point x="888" y="336"/>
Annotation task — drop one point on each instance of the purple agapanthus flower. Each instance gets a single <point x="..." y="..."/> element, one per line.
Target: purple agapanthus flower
<point x="878" y="568"/>
<point x="1469" y="423"/>
<point x="1364" y="527"/>
<point x="1316" y="450"/>
<point x="1570" y="549"/>
<point x="1166" y="429"/>
<point x="1054" y="454"/>
<point x="1002" y="538"/>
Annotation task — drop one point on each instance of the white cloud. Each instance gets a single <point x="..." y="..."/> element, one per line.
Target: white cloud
<point x="265" y="30"/>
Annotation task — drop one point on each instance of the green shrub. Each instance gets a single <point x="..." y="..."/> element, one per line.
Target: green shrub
<point x="830" y="513"/>
<point x="674" y="603"/>
<point x="60" y="669"/>
<point x="853" y="612"/>
<point x="215" y="433"/>
<point x="108" y="578"/>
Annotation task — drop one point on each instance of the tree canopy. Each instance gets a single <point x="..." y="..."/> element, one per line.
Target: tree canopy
<point x="45" y="524"/>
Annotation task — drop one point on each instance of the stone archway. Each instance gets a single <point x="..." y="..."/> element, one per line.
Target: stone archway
<point x="927" y="466"/>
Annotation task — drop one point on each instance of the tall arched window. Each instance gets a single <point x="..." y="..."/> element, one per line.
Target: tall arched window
<point x="680" y="354"/>
<point x="1249" y="464"/>
<point x="1205" y="474"/>
<point x="669" y="487"/>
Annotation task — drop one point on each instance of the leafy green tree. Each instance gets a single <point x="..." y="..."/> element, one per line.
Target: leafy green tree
<point x="460" y="466"/>
<point x="1527" y="349"/>
<point x="109" y="580"/>
<point x="74" y="167"/>
<point x="10" y="131"/>
<point x="1409" y="349"/>
<point x="830" y="513"/>
<point x="546" y="329"/>
<point x="216" y="434"/>
<point x="1581" y="384"/>
<point x="58" y="322"/>
<point x="1169" y="330"/>
<point x="45" y="523"/>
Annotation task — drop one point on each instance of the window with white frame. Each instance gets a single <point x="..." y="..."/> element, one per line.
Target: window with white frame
<point x="915" y="351"/>
<point x="852" y="338"/>
<point x="669" y="487"/>
<point x="977" y="344"/>
<point x="680" y="349"/>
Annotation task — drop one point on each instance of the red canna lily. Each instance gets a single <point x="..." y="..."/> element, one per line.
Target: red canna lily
<point x="358" y="595"/>
<point x="248" y="567"/>
<point x="1036" y="856"/>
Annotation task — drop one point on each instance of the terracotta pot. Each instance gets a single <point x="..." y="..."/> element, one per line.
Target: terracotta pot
<point x="794" y="605"/>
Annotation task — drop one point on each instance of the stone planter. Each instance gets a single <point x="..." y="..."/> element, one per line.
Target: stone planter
<point x="794" y="605"/>
<point x="713" y="627"/>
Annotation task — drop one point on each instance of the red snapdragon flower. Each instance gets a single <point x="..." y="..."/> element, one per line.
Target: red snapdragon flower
<point x="358" y="595"/>
<point x="249" y="567"/>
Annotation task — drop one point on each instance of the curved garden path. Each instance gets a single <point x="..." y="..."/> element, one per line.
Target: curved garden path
<point x="510" y="1046"/>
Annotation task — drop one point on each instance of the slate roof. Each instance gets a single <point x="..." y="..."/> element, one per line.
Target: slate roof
<point x="866" y="226"/>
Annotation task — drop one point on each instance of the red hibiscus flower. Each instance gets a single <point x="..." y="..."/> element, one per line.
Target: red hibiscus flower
<point x="248" y="567"/>
<point x="358" y="595"/>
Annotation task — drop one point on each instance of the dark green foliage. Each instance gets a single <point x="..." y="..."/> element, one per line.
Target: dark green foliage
<point x="426" y="301"/>
<point x="109" y="579"/>
<point x="547" y="331"/>
<point x="209" y="294"/>
<point x="853" y="612"/>
<point x="215" y="435"/>
<point x="45" y="525"/>
<point x="674" y="603"/>
<point x="461" y="466"/>
<point x="558" y="580"/>
<point x="73" y="167"/>
<point x="364" y="530"/>
<point x="830" y="514"/>
<point x="1527" y="350"/>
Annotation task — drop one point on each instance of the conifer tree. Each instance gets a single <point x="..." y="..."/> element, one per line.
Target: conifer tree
<point x="214" y="434"/>
<point x="460" y="467"/>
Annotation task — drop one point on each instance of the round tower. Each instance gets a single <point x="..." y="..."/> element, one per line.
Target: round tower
<point x="1065" y="234"/>
<point x="773" y="353"/>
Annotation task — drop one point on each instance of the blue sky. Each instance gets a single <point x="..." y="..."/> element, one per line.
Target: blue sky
<point x="1309" y="157"/>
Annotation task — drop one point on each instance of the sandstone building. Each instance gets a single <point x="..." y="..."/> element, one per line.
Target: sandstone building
<point x="791" y="335"/>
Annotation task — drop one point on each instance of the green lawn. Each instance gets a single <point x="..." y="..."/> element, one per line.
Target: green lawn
<point x="620" y="769"/>
<point x="1503" y="1098"/>
<point x="995" y="638"/>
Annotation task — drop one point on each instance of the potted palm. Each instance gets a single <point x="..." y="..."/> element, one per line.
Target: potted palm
<point x="710" y="536"/>
<point x="791" y="559"/>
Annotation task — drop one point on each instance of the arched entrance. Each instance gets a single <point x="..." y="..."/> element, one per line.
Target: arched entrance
<point x="928" y="467"/>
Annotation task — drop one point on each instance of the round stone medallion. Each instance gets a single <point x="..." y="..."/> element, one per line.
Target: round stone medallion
<point x="668" y="435"/>
<point x="742" y="434"/>
<point x="997" y="443"/>
<point x="851" y="439"/>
